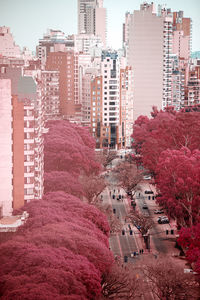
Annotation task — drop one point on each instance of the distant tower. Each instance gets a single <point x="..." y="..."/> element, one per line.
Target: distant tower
<point x="92" y="18"/>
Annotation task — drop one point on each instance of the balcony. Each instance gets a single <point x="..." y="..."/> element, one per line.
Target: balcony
<point x="28" y="174"/>
<point x="28" y="163"/>
<point x="28" y="141"/>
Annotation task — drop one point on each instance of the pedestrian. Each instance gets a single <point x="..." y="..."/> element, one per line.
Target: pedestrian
<point x="114" y="191"/>
<point x="142" y="251"/>
<point x="110" y="193"/>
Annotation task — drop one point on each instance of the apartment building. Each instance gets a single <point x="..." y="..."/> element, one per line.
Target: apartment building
<point x="8" y="47"/>
<point x="193" y="87"/>
<point x="105" y="103"/>
<point x="66" y="63"/>
<point x="88" y="44"/>
<point x="50" y="84"/>
<point x="6" y="163"/>
<point x="26" y="123"/>
<point x="53" y="41"/>
<point x="151" y="40"/>
<point x="92" y="18"/>
<point x="127" y="105"/>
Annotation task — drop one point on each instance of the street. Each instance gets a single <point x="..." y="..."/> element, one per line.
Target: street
<point x="128" y="245"/>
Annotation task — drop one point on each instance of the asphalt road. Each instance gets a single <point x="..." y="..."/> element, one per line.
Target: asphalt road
<point x="126" y="245"/>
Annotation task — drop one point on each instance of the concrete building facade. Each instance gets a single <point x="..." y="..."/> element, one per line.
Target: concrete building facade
<point x="92" y="18"/>
<point x="25" y="149"/>
<point x="7" y="45"/>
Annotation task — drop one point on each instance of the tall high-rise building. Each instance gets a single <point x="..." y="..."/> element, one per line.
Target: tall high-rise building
<point x="6" y="149"/>
<point x="22" y="140"/>
<point x="112" y="103"/>
<point x="149" y="48"/>
<point x="92" y="18"/>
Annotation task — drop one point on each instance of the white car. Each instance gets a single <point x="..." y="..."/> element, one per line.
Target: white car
<point x="147" y="177"/>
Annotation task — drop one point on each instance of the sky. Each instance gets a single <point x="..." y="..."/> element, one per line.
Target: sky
<point x="29" y="19"/>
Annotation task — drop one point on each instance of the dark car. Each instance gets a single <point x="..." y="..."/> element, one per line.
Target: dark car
<point x="163" y="220"/>
<point x="144" y="206"/>
<point x="158" y="211"/>
<point x="148" y="192"/>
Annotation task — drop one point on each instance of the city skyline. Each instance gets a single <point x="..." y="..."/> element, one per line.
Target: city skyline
<point x="17" y="16"/>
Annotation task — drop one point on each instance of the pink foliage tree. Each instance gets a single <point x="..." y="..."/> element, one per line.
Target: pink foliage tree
<point x="178" y="181"/>
<point x="63" y="247"/>
<point x="57" y="270"/>
<point x="62" y="181"/>
<point x="69" y="148"/>
<point x="189" y="239"/>
<point x="166" y="130"/>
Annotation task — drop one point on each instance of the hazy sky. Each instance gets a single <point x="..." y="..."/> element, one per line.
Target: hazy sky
<point x="29" y="19"/>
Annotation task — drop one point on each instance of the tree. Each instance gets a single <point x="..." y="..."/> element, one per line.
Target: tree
<point x="128" y="177"/>
<point x="62" y="181"/>
<point x="167" y="280"/>
<point x="59" y="270"/>
<point x="61" y="207"/>
<point x="166" y="130"/>
<point x="189" y="239"/>
<point x="92" y="187"/>
<point x="106" y="157"/>
<point x="120" y="283"/>
<point x="142" y="222"/>
<point x="178" y="182"/>
<point x="69" y="148"/>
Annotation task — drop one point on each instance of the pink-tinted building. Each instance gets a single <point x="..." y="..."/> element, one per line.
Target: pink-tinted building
<point x="50" y="91"/>
<point x="6" y="159"/>
<point x="149" y="49"/>
<point x="23" y="111"/>
<point x="66" y="63"/>
<point x="193" y="87"/>
<point x="126" y="105"/>
<point x="53" y="41"/>
<point x="92" y="18"/>
<point x="152" y="41"/>
<point x="7" y="45"/>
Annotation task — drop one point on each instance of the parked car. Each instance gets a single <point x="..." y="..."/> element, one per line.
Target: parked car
<point x="147" y="177"/>
<point x="148" y="192"/>
<point x="144" y="206"/>
<point x="163" y="220"/>
<point x="158" y="211"/>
